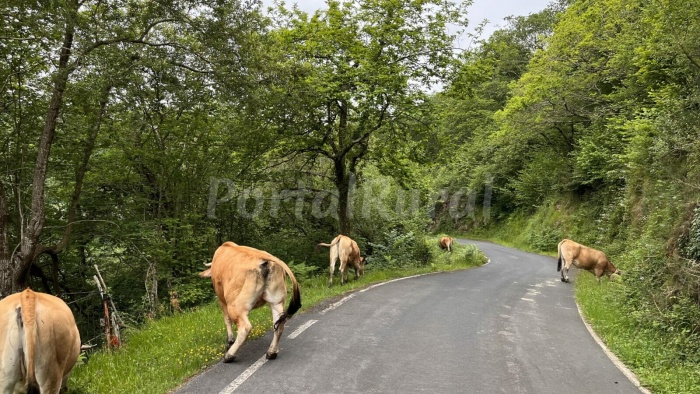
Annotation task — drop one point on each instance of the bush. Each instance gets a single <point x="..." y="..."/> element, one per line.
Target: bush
<point x="302" y="271"/>
<point x="399" y="250"/>
<point x="460" y="253"/>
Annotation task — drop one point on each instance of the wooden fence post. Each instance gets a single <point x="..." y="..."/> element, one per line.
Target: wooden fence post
<point x="111" y="320"/>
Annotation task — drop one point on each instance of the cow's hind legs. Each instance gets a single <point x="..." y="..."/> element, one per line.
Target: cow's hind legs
<point x="598" y="274"/>
<point x="331" y="269"/>
<point x="51" y="382"/>
<point x="277" y="311"/>
<point x="229" y="329"/>
<point x="565" y="272"/>
<point x="243" y="328"/>
<point x="343" y="270"/>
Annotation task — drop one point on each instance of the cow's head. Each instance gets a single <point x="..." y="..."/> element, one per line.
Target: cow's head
<point x="361" y="264"/>
<point x="610" y="269"/>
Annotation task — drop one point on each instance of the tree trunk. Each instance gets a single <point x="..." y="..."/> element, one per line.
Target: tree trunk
<point x="15" y="268"/>
<point x="4" y="243"/>
<point x="342" y="183"/>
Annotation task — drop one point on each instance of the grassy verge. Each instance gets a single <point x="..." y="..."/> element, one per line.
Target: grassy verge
<point x="515" y="232"/>
<point x="649" y="353"/>
<point x="159" y="356"/>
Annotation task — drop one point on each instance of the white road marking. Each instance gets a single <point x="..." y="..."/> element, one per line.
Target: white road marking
<point x="342" y="301"/>
<point x="336" y="304"/>
<point x="251" y="370"/>
<point x="616" y="361"/>
<point x="390" y="281"/>
<point x="528" y="299"/>
<point x="301" y="329"/>
<point x="244" y="376"/>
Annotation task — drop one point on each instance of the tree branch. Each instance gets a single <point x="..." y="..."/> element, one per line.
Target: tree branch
<point x="4" y="222"/>
<point x="80" y="174"/>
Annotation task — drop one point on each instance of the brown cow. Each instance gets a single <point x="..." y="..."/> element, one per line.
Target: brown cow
<point x="245" y="278"/>
<point x="345" y="249"/>
<point x="583" y="257"/>
<point x="446" y="243"/>
<point x="39" y="343"/>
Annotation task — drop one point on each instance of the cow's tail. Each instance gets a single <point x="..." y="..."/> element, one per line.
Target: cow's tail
<point x="207" y="272"/>
<point x="318" y="246"/>
<point x="295" y="303"/>
<point x="28" y="327"/>
<point x="559" y="260"/>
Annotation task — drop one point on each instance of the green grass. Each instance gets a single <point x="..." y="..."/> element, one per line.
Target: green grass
<point x="647" y="352"/>
<point x="514" y="232"/>
<point x="159" y="356"/>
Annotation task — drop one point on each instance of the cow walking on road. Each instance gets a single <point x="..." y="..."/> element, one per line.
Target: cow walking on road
<point x="245" y="278"/>
<point x="343" y="248"/>
<point x="39" y="343"/>
<point x="583" y="257"/>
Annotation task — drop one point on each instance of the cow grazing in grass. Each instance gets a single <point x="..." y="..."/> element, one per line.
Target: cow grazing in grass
<point x="245" y="278"/>
<point x="446" y="243"/>
<point x="583" y="257"/>
<point x="343" y="248"/>
<point x="39" y="343"/>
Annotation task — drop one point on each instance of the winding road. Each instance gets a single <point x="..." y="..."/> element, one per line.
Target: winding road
<point x="508" y="327"/>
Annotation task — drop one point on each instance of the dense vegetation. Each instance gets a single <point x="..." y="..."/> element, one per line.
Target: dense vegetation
<point x="590" y="131"/>
<point x="139" y="136"/>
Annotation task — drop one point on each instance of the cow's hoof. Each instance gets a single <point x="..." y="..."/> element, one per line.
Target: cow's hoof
<point x="228" y="359"/>
<point x="270" y="356"/>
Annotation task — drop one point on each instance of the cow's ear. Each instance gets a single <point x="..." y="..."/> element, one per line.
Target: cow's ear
<point x="362" y="260"/>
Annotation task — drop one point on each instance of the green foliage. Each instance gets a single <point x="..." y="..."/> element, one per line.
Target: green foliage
<point x="541" y="176"/>
<point x="302" y="271"/>
<point x="460" y="253"/>
<point x="663" y="356"/>
<point x="399" y="249"/>
<point x="580" y="121"/>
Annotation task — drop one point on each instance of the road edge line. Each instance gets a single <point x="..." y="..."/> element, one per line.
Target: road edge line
<point x="615" y="360"/>
<point x="240" y="379"/>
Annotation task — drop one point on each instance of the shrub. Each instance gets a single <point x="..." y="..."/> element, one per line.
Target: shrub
<point x="399" y="250"/>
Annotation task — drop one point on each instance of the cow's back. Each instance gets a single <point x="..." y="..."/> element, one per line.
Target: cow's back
<point x="54" y="336"/>
<point x="63" y="343"/>
<point x="349" y="251"/>
<point x="445" y="243"/>
<point x="233" y="264"/>
<point x="583" y="256"/>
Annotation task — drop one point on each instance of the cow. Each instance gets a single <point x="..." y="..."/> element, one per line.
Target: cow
<point x="583" y="257"/>
<point x="39" y="343"/>
<point x="446" y="243"/>
<point x="246" y="278"/>
<point x="343" y="248"/>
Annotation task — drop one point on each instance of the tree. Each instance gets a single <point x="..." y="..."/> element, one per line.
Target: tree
<point x="470" y="157"/>
<point x="70" y="57"/>
<point x="354" y="71"/>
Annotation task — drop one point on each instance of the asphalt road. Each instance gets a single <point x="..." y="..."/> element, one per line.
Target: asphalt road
<point x="510" y="326"/>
